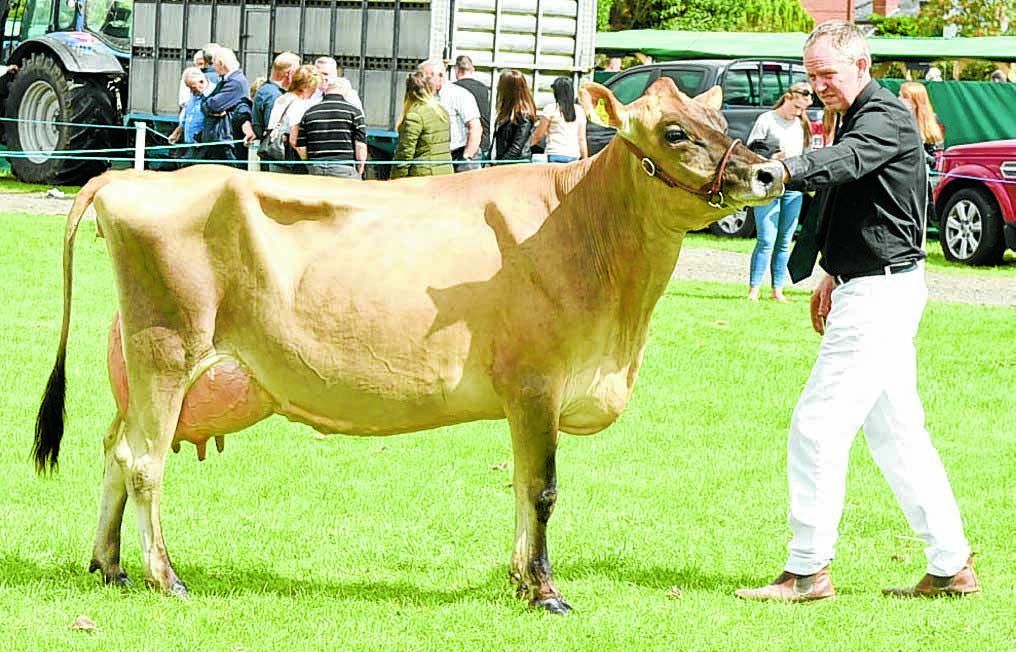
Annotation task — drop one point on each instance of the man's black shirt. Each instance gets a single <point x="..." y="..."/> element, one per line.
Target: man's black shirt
<point x="873" y="186"/>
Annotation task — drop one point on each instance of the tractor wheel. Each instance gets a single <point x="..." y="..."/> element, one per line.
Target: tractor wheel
<point x="41" y="95"/>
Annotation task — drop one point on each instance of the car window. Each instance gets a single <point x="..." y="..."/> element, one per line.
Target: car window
<point x="775" y="81"/>
<point x="688" y="80"/>
<point x="741" y="87"/>
<point x="629" y="88"/>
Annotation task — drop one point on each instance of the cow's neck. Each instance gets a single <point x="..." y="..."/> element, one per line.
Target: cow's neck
<point x="618" y="255"/>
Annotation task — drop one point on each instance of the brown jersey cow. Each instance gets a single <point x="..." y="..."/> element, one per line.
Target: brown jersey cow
<point x="369" y="308"/>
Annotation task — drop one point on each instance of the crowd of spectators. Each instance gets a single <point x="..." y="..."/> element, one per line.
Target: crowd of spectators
<point x="309" y="119"/>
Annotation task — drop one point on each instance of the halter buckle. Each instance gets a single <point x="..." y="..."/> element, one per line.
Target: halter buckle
<point x="716" y="200"/>
<point x="648" y="166"/>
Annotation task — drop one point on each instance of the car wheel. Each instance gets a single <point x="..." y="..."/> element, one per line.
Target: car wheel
<point x="739" y="225"/>
<point x="970" y="228"/>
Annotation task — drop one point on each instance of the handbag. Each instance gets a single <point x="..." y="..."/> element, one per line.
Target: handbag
<point x="275" y="145"/>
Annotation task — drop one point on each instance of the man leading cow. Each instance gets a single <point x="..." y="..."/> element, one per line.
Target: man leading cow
<point x="867" y="305"/>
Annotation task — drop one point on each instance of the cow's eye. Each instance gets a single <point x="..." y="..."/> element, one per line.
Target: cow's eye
<point x="675" y="135"/>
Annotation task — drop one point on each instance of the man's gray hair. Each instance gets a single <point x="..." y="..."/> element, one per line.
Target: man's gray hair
<point x="327" y="61"/>
<point x="228" y="59"/>
<point x="192" y="73"/>
<point x="339" y="85"/>
<point x="437" y="64"/>
<point x="847" y="40"/>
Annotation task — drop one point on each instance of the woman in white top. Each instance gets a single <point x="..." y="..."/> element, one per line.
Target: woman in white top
<point x="287" y="112"/>
<point x="778" y="134"/>
<point x="564" y="124"/>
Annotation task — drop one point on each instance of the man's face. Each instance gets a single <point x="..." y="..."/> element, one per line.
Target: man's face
<point x="287" y="79"/>
<point x="836" y="81"/>
<point x="196" y="85"/>
<point x="199" y="60"/>
<point x="326" y="72"/>
<point x="435" y="76"/>
<point x="220" y="68"/>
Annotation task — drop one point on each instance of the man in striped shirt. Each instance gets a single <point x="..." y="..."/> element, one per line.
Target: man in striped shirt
<point x="332" y="134"/>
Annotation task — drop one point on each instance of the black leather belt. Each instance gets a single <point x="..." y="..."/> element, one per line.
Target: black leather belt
<point x="888" y="270"/>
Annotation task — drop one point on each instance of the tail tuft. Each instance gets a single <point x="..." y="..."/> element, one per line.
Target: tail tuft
<point x="49" y="425"/>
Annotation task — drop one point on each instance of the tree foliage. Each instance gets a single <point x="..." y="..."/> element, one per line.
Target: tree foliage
<point x="972" y="17"/>
<point x="705" y="15"/>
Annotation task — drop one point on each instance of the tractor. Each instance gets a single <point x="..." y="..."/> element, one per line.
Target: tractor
<point x="70" y="88"/>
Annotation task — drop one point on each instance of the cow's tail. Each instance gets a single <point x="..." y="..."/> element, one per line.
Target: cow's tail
<point x="49" y="425"/>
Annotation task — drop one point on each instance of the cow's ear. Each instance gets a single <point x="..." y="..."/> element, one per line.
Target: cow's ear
<point x="711" y="99"/>
<point x="590" y="95"/>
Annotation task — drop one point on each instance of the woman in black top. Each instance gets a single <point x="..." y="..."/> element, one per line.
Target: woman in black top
<point x="516" y="118"/>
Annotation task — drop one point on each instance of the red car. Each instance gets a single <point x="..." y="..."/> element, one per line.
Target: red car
<point x="975" y="202"/>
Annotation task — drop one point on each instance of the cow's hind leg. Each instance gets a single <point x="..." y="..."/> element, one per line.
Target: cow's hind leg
<point x="533" y="418"/>
<point x="106" y="551"/>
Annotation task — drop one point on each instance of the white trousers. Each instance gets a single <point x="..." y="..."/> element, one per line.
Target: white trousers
<point x="866" y="374"/>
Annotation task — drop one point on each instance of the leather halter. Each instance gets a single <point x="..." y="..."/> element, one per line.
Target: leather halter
<point x="710" y="191"/>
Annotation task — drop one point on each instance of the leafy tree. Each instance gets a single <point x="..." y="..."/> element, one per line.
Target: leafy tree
<point x="775" y="16"/>
<point x="906" y="25"/>
<point x="705" y="15"/>
<point x="972" y="17"/>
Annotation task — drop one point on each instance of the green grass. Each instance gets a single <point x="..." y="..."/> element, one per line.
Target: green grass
<point x="292" y="542"/>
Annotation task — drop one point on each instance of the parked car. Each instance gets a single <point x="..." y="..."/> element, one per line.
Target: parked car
<point x="975" y="202"/>
<point x="750" y="87"/>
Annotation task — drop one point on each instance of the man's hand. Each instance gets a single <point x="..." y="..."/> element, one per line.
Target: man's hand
<point x="821" y="302"/>
<point x="248" y="133"/>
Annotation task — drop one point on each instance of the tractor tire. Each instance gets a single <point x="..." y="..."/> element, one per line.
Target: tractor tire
<point x="970" y="228"/>
<point x="43" y="93"/>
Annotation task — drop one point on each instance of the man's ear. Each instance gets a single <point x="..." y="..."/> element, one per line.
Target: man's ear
<point x="711" y="99"/>
<point x="590" y="95"/>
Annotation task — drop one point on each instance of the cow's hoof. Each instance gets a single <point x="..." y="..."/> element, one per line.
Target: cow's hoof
<point x="556" y="606"/>
<point x="115" y="578"/>
<point x="179" y="590"/>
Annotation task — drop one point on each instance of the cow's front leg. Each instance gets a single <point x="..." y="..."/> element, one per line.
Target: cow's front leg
<point x="106" y="550"/>
<point x="533" y="417"/>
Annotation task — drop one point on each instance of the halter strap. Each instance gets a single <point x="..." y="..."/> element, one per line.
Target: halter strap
<point x="710" y="191"/>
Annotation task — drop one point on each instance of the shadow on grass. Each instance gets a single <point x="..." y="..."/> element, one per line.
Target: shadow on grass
<point x="232" y="580"/>
<point x="663" y="578"/>
<point x="16" y="571"/>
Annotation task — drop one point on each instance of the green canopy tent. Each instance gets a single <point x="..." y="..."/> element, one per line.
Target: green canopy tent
<point x="971" y="112"/>
<point x="665" y="45"/>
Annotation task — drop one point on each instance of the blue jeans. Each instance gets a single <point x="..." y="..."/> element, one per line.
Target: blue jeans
<point x="775" y="224"/>
<point x="557" y="158"/>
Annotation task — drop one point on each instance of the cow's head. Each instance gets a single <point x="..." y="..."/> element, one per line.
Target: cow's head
<point x="681" y="142"/>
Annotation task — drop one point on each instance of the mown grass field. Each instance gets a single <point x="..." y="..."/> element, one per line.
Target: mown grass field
<point x="289" y="541"/>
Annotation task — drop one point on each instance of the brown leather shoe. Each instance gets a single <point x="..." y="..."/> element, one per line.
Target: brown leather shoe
<point x="934" y="586"/>
<point x="789" y="587"/>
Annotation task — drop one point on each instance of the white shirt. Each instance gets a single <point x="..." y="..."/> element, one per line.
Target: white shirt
<point x="563" y="137"/>
<point x="788" y="133"/>
<point x="292" y="115"/>
<point x="461" y="107"/>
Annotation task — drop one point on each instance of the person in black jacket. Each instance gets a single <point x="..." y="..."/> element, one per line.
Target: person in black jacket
<point x="867" y="305"/>
<point x="516" y="118"/>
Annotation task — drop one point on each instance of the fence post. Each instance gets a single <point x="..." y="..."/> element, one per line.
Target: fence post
<point x="139" y="145"/>
<point x="253" y="161"/>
